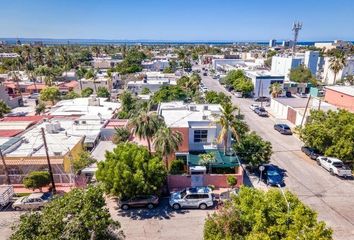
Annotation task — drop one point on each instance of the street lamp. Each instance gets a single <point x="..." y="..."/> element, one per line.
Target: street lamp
<point x="287" y="203"/>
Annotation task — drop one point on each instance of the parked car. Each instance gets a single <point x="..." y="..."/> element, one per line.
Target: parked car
<point x="205" y="74"/>
<point x="238" y="94"/>
<point x="273" y="175"/>
<point x="196" y="197"/>
<point x="34" y="96"/>
<point x="334" y="166"/>
<point x="6" y="194"/>
<point x="254" y="106"/>
<point x="283" y="129"/>
<point x="260" y="111"/>
<point x="311" y="152"/>
<point x="262" y="99"/>
<point x="35" y="201"/>
<point x="149" y="201"/>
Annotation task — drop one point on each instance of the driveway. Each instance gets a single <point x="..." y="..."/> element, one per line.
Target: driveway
<point x="331" y="197"/>
<point x="161" y="222"/>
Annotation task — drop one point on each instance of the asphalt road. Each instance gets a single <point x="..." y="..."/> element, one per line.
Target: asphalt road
<point x="331" y="197"/>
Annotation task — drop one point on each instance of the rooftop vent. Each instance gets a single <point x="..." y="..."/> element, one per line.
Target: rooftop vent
<point x="192" y="108"/>
<point x="205" y="107"/>
<point x="205" y="117"/>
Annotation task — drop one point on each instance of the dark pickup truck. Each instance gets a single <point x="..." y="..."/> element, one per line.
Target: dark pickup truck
<point x="311" y="152"/>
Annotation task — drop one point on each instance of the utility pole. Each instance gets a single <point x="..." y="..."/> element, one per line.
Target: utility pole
<point x="307" y="105"/>
<point x="48" y="161"/>
<point x="297" y="26"/>
<point x="8" y="181"/>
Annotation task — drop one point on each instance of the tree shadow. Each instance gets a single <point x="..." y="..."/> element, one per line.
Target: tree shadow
<point x="162" y="212"/>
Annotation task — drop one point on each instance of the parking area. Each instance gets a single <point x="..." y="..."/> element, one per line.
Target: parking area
<point x="161" y="222"/>
<point x="8" y="218"/>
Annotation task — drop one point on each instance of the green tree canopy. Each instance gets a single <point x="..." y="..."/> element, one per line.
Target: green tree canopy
<point x="72" y="95"/>
<point x="253" y="150"/>
<point x="332" y="133"/>
<point x="86" y="92"/>
<point x="79" y="214"/>
<point x="213" y="97"/>
<point x="129" y="170"/>
<point x="254" y="214"/>
<point x="50" y="94"/>
<point x="121" y="135"/>
<point x="36" y="180"/>
<point x="145" y="91"/>
<point x="4" y="109"/>
<point x="301" y="74"/>
<point x="83" y="160"/>
<point x="243" y="85"/>
<point x="168" y="94"/>
<point x="103" y="92"/>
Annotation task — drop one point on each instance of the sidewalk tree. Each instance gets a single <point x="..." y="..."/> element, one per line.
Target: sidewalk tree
<point x="331" y="132"/>
<point x="255" y="214"/>
<point x="37" y="180"/>
<point x="40" y="108"/>
<point x="84" y="159"/>
<point x="231" y="181"/>
<point x="86" y="92"/>
<point x="253" y="150"/>
<point x="79" y="214"/>
<point x="129" y="170"/>
<point x="103" y="92"/>
<point x="50" y="94"/>
<point x="275" y="89"/>
<point x="4" y="109"/>
<point x="213" y="97"/>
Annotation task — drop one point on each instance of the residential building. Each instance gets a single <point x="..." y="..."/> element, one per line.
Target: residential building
<point x="281" y="65"/>
<point x="328" y="74"/>
<point x="155" y="65"/>
<point x="262" y="80"/>
<point x="272" y="43"/>
<point x="11" y="101"/>
<point x="311" y="61"/>
<point x="336" y="44"/>
<point x="340" y="96"/>
<point x="105" y="62"/>
<point x="150" y="80"/>
<point x="219" y="63"/>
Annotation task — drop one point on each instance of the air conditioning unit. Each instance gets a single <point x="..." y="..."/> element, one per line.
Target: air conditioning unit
<point x="57" y="153"/>
<point x="205" y="117"/>
<point x="205" y="107"/>
<point x="192" y="108"/>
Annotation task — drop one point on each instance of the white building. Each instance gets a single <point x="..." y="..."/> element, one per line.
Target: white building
<point x="336" y="44"/>
<point x="262" y="80"/>
<point x="311" y="61"/>
<point x="155" y="65"/>
<point x="281" y="65"/>
<point x="272" y="42"/>
<point x="219" y="63"/>
<point x="153" y="84"/>
<point x="328" y="74"/>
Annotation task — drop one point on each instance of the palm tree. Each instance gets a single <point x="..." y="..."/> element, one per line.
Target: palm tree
<point x="167" y="142"/>
<point x="275" y="89"/>
<point x="337" y="63"/>
<point x="227" y="121"/>
<point x="145" y="125"/>
<point x="80" y="73"/>
<point x="4" y="109"/>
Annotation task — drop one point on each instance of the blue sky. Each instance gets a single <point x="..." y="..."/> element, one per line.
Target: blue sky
<point x="233" y="20"/>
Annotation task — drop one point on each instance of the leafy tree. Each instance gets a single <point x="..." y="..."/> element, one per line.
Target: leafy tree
<point x="167" y="142"/>
<point x="337" y="63"/>
<point x="301" y="74"/>
<point x="37" y="180"/>
<point x="177" y="167"/>
<point x="243" y="85"/>
<point x="231" y="181"/>
<point x="121" y="135"/>
<point x="145" y="91"/>
<point x="79" y="214"/>
<point x="40" y="108"/>
<point x="72" y="95"/>
<point x="103" y="92"/>
<point x="233" y="76"/>
<point x="213" y="97"/>
<point x="83" y="160"/>
<point x="255" y="214"/>
<point x="50" y="94"/>
<point x="4" y="109"/>
<point x="253" y="150"/>
<point x="127" y="100"/>
<point x="168" y="94"/>
<point x="145" y="126"/>
<point x="86" y="92"/>
<point x="131" y="62"/>
<point x="130" y="171"/>
<point x="207" y="159"/>
<point x="332" y="133"/>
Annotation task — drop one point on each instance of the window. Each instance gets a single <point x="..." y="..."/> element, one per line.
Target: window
<point x="203" y="196"/>
<point x="192" y="196"/>
<point x="200" y="136"/>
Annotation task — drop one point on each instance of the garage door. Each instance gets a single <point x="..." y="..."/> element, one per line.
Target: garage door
<point x="291" y="115"/>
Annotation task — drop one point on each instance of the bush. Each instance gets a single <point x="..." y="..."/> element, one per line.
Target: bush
<point x="177" y="167"/>
<point x="231" y="181"/>
<point x="37" y="180"/>
<point x="86" y="92"/>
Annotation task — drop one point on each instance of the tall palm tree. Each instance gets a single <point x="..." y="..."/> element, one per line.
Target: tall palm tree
<point x="275" y="89"/>
<point x="227" y="121"/>
<point x="337" y="63"/>
<point x="80" y="73"/>
<point x="145" y="125"/>
<point x="167" y="142"/>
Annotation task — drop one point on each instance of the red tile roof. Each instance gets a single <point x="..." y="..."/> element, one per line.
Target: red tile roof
<point x="10" y="133"/>
<point x="34" y="119"/>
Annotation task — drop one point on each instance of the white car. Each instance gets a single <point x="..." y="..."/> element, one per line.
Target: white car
<point x="254" y="106"/>
<point x="334" y="166"/>
<point x="35" y="201"/>
<point x="194" y="197"/>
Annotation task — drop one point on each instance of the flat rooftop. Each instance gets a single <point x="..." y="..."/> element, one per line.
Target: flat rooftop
<point x="348" y="90"/>
<point x="292" y="102"/>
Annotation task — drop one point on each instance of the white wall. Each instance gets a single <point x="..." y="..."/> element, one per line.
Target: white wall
<point x="283" y="65"/>
<point x="328" y="74"/>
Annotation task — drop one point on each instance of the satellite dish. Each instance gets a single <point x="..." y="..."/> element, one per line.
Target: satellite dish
<point x="261" y="168"/>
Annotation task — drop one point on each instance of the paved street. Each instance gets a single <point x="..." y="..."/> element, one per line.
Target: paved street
<point x="161" y="222"/>
<point x="331" y="197"/>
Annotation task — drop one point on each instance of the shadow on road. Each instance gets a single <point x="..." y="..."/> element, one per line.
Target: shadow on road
<point x="162" y="211"/>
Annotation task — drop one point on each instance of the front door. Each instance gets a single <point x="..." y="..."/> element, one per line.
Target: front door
<point x="197" y="180"/>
